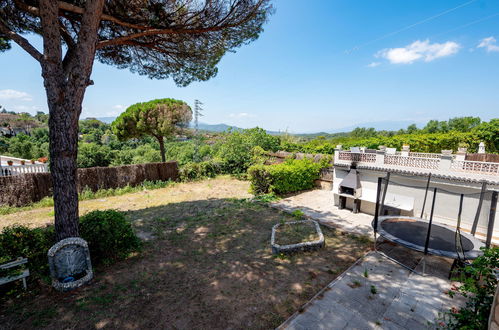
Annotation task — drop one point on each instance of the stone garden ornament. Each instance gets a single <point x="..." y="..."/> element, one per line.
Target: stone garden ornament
<point x="69" y="262"/>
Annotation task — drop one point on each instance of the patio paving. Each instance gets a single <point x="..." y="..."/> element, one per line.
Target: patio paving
<point x="318" y="205"/>
<point x="390" y="297"/>
<point x="402" y="299"/>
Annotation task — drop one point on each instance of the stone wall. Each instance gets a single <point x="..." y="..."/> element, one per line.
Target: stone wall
<point x="29" y="188"/>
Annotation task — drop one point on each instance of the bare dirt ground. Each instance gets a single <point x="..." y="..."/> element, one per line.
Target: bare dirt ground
<point x="208" y="265"/>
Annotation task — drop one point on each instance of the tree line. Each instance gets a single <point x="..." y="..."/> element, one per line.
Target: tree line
<point x="136" y="137"/>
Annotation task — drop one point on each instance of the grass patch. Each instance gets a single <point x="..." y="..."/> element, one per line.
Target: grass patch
<point x="295" y="233"/>
<point x="211" y="267"/>
<point x="88" y="194"/>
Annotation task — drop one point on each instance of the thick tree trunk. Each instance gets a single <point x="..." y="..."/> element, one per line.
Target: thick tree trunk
<point x="63" y="130"/>
<point x="65" y="82"/>
<point x="162" y="148"/>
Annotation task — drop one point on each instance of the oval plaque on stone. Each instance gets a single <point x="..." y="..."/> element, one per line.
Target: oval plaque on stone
<point x="69" y="262"/>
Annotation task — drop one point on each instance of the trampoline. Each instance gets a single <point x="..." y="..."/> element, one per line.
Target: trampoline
<point x="411" y="232"/>
<point x="423" y="234"/>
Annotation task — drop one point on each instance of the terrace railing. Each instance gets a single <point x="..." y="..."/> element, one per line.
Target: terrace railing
<point x="476" y="167"/>
<point x="421" y="160"/>
<point x="361" y="157"/>
<point x="411" y="161"/>
<point x="23" y="169"/>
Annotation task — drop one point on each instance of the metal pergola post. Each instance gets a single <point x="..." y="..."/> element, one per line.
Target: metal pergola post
<point x="428" y="234"/>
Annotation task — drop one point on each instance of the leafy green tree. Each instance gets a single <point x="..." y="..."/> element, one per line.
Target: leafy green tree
<point x="42" y="117"/>
<point x="21" y="146"/>
<point x="435" y="126"/>
<point x="463" y="124"/>
<point x="235" y="149"/>
<point x="363" y="132"/>
<point x="40" y="135"/>
<point x="184" y="40"/>
<point x="411" y="129"/>
<point x="489" y="133"/>
<point x="92" y="154"/>
<point x="158" y="118"/>
<point x="4" y="44"/>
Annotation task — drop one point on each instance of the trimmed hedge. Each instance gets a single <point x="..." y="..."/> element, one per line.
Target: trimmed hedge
<point x="290" y="176"/>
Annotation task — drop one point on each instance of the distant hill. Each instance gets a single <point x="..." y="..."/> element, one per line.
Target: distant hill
<point x="385" y="125"/>
<point x="215" y="127"/>
<point x="202" y="126"/>
<point x="378" y="125"/>
<point x="107" y="120"/>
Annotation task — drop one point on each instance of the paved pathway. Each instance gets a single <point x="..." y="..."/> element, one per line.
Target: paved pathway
<point x="318" y="204"/>
<point x="390" y="297"/>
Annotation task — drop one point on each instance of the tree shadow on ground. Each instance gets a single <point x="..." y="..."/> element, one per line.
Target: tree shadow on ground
<point x="208" y="264"/>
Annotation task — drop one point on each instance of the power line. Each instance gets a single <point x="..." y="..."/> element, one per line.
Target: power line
<point x="468" y="24"/>
<point x="197" y="114"/>
<point x="409" y="26"/>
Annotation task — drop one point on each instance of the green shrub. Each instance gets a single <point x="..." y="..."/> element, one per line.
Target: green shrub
<point x="109" y="235"/>
<point x="32" y="243"/>
<point x="479" y="286"/>
<point x="290" y="176"/>
<point x="194" y="171"/>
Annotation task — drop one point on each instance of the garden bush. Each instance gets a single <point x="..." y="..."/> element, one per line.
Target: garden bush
<point x="32" y="243"/>
<point x="290" y="176"/>
<point x="109" y="235"/>
<point x="193" y="171"/>
<point x="479" y="286"/>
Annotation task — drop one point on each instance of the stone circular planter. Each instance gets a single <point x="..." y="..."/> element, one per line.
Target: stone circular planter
<point x="304" y="246"/>
<point x="70" y="265"/>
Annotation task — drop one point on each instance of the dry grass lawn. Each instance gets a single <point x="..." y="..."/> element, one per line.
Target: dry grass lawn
<point x="220" y="187"/>
<point x="208" y="265"/>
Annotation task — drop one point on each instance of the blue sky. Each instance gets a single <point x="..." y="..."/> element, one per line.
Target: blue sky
<point x="320" y="65"/>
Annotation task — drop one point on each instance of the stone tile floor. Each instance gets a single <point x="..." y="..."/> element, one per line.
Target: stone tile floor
<point x="318" y="205"/>
<point x="390" y="297"/>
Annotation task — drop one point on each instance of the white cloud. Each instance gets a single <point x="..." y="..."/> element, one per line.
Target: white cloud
<point x="11" y="94"/>
<point x="241" y="115"/>
<point x="489" y="44"/>
<point x="419" y="50"/>
<point x="119" y="107"/>
<point x="373" y="64"/>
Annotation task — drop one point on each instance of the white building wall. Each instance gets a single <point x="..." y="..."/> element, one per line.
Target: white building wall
<point x="446" y="205"/>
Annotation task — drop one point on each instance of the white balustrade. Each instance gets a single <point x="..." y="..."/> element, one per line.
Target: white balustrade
<point x="422" y="160"/>
<point x="417" y="162"/>
<point x="12" y="170"/>
<point x="362" y="157"/>
<point x="475" y="167"/>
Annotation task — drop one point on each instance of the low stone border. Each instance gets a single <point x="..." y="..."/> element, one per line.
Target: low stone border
<point x="304" y="246"/>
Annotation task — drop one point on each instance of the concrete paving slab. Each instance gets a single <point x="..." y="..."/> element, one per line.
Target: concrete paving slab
<point x="404" y="300"/>
<point x="318" y="204"/>
<point x="400" y="299"/>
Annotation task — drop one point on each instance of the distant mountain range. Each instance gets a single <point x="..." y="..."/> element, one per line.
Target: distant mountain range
<point x="107" y="120"/>
<point x="378" y="125"/>
<point x="385" y="125"/>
